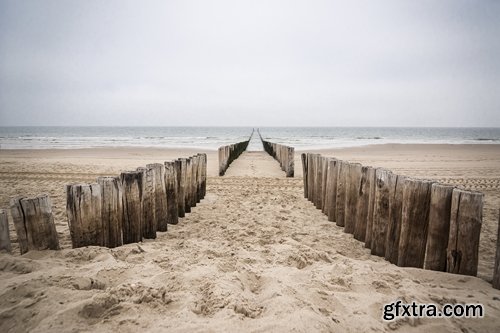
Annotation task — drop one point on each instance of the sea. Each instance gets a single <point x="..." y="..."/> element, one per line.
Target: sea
<point x="210" y="138"/>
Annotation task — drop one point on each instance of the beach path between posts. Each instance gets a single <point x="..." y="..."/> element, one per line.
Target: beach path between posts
<point x="254" y="255"/>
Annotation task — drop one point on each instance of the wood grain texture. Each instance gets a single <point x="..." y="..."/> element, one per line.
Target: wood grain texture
<point x="132" y="206"/>
<point x="385" y="185"/>
<point x="395" y="221"/>
<point x="371" y="207"/>
<point x="465" y="227"/>
<point x="353" y="184"/>
<point x="362" y="205"/>
<point x="111" y="210"/>
<point x="4" y="232"/>
<point x="341" y="192"/>
<point x="149" y="225"/>
<point x="331" y="190"/>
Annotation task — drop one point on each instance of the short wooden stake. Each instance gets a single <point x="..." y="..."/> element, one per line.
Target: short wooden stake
<point x="4" y="232"/>
<point x="353" y="184"/>
<point x="111" y="210"/>
<point x="149" y="225"/>
<point x="132" y="185"/>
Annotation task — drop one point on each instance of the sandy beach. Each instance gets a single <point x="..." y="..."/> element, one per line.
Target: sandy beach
<point x="253" y="256"/>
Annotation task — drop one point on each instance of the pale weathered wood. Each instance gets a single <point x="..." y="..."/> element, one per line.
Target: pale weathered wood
<point x="111" y="210"/>
<point x="371" y="207"/>
<point x="385" y="186"/>
<point x="310" y="177"/>
<point x="465" y="227"/>
<point x="395" y="221"/>
<point x="171" y="192"/>
<point x="362" y="205"/>
<point x="4" y="232"/>
<point x="341" y="192"/>
<point x="84" y="210"/>
<point x="34" y="223"/>
<point x="160" y="195"/>
<point x="324" y="168"/>
<point x="331" y="194"/>
<point x="180" y="166"/>
<point x="132" y="206"/>
<point x="303" y="157"/>
<point x="439" y="227"/>
<point x="319" y="179"/>
<point x="290" y="162"/>
<point x="496" y="269"/>
<point x="353" y="184"/>
<point x="414" y="223"/>
<point x="149" y="225"/>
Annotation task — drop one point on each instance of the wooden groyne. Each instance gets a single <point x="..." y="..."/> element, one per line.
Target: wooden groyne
<point x="114" y="210"/>
<point x="283" y="154"/>
<point x="409" y="222"/>
<point x="227" y="154"/>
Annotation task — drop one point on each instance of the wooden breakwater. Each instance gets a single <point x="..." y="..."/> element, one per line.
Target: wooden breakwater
<point x="409" y="222"/>
<point x="114" y="210"/>
<point x="227" y="154"/>
<point x="283" y="154"/>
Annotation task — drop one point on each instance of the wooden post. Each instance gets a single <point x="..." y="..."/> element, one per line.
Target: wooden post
<point x="187" y="188"/>
<point x="465" y="228"/>
<point x="439" y="227"/>
<point x="194" y="180"/>
<point x="199" y="193"/>
<point x="204" y="176"/>
<point x="414" y="223"/>
<point x="331" y="192"/>
<point x="310" y="177"/>
<point x="395" y="221"/>
<point x="4" y="232"/>
<point x="111" y="210"/>
<point x="341" y="192"/>
<point x="324" y="167"/>
<point x="160" y="195"/>
<point x="290" y="162"/>
<point x="149" y="225"/>
<point x="132" y="206"/>
<point x="303" y="157"/>
<point x="353" y="184"/>
<point x="385" y="183"/>
<point x="84" y="210"/>
<point x="371" y="207"/>
<point x="496" y="269"/>
<point x="319" y="181"/>
<point x="171" y="192"/>
<point x="180" y="166"/>
<point x="34" y="223"/>
<point x="362" y="205"/>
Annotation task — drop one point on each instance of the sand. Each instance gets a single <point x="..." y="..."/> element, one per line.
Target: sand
<point x="253" y="256"/>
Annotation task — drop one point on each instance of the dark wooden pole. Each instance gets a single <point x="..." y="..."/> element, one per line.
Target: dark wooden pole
<point x="395" y="221"/>
<point x="353" y="184"/>
<point x="171" y="192"/>
<point x="465" y="229"/>
<point x="371" y="207"/>
<point x="341" y="192"/>
<point x="160" y="195"/>
<point x="4" y="232"/>
<point x="385" y="186"/>
<point x="111" y="210"/>
<point x="439" y="227"/>
<point x="180" y="166"/>
<point x="362" y="205"/>
<point x="132" y="206"/>
<point x="149" y="225"/>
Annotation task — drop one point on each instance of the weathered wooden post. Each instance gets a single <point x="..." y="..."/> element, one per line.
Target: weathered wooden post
<point x="290" y="162"/>
<point x="204" y="176"/>
<point x="439" y="227"/>
<point x="353" y="184"/>
<point x="303" y="157"/>
<point x="187" y="188"/>
<point x="4" y="232"/>
<point x="362" y="205"/>
<point x="180" y="166"/>
<point x="160" y="195"/>
<point x="199" y="171"/>
<point x="171" y="192"/>
<point x="371" y="207"/>
<point x="341" y="192"/>
<point x="331" y="192"/>
<point x="132" y="206"/>
<point x="395" y="221"/>
<point x="84" y="210"/>
<point x="385" y="186"/>
<point x="319" y="180"/>
<point x="194" y="181"/>
<point x="310" y="177"/>
<point x="324" y="167"/>
<point x="34" y="223"/>
<point x="414" y="222"/>
<point x="111" y="210"/>
<point x="149" y="224"/>
<point x="496" y="269"/>
<point x="465" y="228"/>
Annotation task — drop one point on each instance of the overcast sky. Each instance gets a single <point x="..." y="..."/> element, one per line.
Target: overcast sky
<point x="255" y="63"/>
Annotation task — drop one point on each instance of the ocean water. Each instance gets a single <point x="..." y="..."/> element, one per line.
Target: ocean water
<point x="214" y="137"/>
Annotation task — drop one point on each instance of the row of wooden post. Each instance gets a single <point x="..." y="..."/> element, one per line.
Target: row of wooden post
<point x="285" y="155"/>
<point x="114" y="210"/>
<point x="410" y="222"/>
<point x="227" y="154"/>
